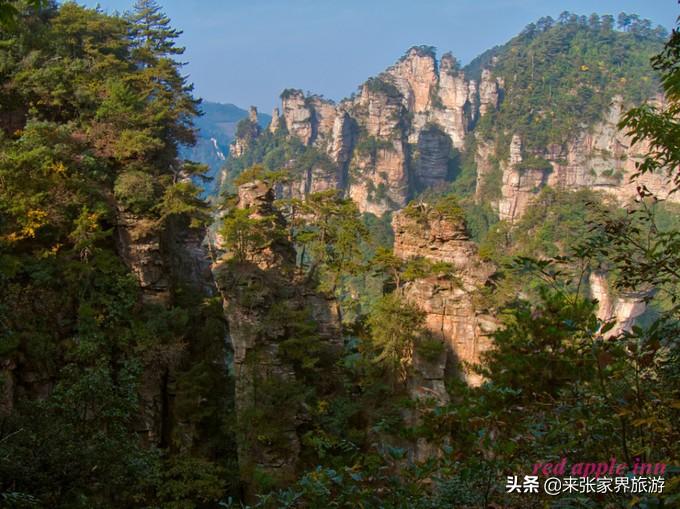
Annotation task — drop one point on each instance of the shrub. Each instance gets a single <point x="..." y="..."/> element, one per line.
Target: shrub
<point x="135" y="190"/>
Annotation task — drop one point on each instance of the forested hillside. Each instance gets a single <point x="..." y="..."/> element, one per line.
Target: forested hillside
<point x="112" y="395"/>
<point x="401" y="300"/>
<point x="562" y="74"/>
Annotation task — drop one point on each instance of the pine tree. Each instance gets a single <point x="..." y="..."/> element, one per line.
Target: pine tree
<point x="152" y="35"/>
<point x="168" y="94"/>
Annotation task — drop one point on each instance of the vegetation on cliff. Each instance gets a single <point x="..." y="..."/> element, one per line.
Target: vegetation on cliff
<point x="117" y="388"/>
<point x="575" y="65"/>
<point x="105" y="393"/>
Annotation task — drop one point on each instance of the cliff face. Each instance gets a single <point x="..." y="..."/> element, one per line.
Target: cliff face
<point x="166" y="260"/>
<point x="623" y="309"/>
<point x="457" y="99"/>
<point x="267" y="303"/>
<point x="297" y="115"/>
<point x="453" y="314"/>
<point x="600" y="157"/>
<point x="392" y="139"/>
<point x="431" y="162"/>
<point x="489" y="92"/>
<point x="247" y="131"/>
<point x="520" y="183"/>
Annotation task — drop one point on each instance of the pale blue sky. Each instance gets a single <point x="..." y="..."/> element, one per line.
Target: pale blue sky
<point x="247" y="51"/>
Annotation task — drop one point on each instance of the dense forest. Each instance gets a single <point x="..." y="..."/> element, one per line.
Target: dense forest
<point x="269" y="349"/>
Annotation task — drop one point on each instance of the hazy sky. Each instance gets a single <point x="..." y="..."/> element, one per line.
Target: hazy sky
<point x="247" y="51"/>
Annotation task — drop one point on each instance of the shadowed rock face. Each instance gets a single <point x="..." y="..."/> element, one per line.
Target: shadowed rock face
<point x="432" y="163"/>
<point x="164" y="259"/>
<point x="139" y="244"/>
<point x="268" y="281"/>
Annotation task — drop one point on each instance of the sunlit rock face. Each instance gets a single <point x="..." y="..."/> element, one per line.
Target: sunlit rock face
<point x="623" y="309"/>
<point x="391" y="140"/>
<point x="601" y="157"/>
<point x="453" y="314"/>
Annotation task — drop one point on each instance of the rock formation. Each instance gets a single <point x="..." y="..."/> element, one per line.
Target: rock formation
<point x="453" y="314"/>
<point x="265" y="300"/>
<point x="623" y="309"/>
<point x="520" y="183"/>
<point x="414" y="107"/>
<point x="488" y="93"/>
<point x="416" y="76"/>
<point x="394" y="138"/>
<point x="452" y="311"/>
<point x="246" y="131"/>
<point x="431" y="166"/>
<point x="164" y="260"/>
<point x="455" y="107"/>
<point x="601" y="158"/>
<point x="139" y="245"/>
<point x="297" y="115"/>
<point x="275" y="124"/>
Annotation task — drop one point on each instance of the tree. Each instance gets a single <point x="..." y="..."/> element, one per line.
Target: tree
<point x="395" y="328"/>
<point x="85" y="132"/>
<point x="331" y="236"/>
<point x="169" y="95"/>
<point x="152" y="35"/>
<point x="9" y="11"/>
<point x="244" y="235"/>
<point x="659" y="125"/>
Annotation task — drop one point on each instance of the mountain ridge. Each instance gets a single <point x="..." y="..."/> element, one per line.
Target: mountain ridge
<point x="423" y="122"/>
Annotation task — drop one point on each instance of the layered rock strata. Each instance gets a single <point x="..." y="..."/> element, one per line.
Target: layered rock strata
<point x="601" y="158"/>
<point x="453" y="314"/>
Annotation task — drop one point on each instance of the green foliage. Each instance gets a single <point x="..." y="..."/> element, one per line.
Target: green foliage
<point x="290" y="92"/>
<point x="97" y="108"/>
<point x="554" y="225"/>
<point x="329" y="234"/>
<point x="542" y="346"/>
<point x="183" y="199"/>
<point x="534" y="163"/>
<point x="135" y="190"/>
<point x="442" y="207"/>
<point x="574" y="65"/>
<point x="93" y="110"/>
<point x="381" y="85"/>
<point x="479" y="219"/>
<point x="430" y="348"/>
<point x="659" y="127"/>
<point x="395" y="327"/>
<point x="246" y="236"/>
<point x="258" y="172"/>
<point x="245" y="129"/>
<point x="370" y="145"/>
<point x="422" y="51"/>
<point x="274" y="153"/>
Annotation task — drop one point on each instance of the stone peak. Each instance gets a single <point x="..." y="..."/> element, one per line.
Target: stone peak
<point x="252" y="114"/>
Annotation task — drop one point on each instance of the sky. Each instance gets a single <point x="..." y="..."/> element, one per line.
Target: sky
<point x="246" y="52"/>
